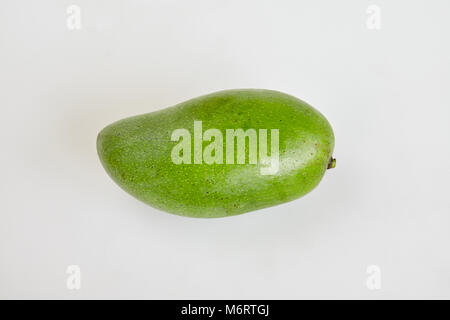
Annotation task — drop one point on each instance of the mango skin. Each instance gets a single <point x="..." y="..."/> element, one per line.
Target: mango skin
<point x="136" y="153"/>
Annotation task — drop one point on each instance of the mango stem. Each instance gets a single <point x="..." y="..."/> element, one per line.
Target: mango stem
<point x="332" y="163"/>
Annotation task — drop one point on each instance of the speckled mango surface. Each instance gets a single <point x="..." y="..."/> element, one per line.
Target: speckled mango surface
<point x="136" y="154"/>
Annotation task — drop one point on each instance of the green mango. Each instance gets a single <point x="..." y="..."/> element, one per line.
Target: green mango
<point x="221" y="154"/>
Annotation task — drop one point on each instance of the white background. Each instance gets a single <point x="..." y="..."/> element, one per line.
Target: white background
<point x="385" y="92"/>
